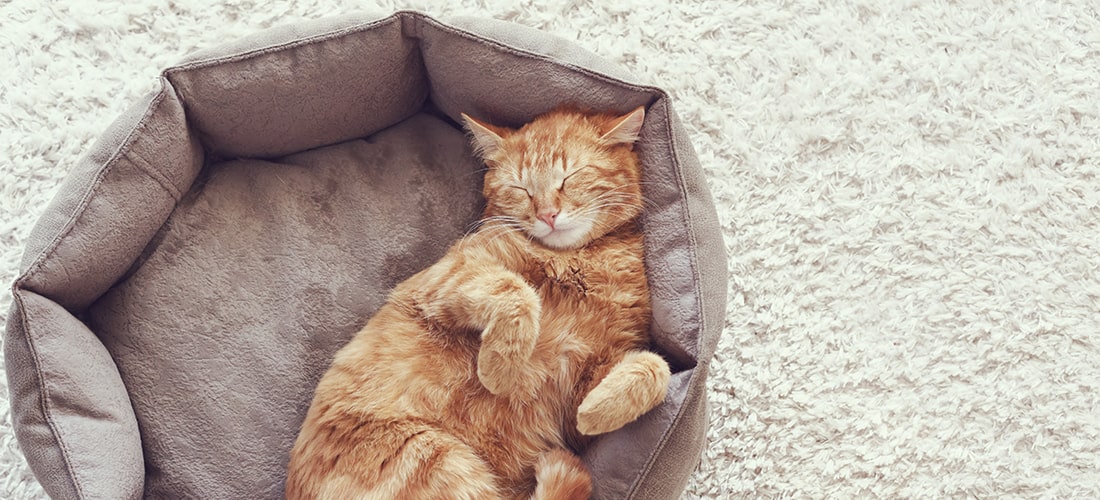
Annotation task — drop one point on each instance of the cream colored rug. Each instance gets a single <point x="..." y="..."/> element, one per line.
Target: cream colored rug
<point x="909" y="192"/>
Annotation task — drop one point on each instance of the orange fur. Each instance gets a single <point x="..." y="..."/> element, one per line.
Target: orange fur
<point x="484" y="374"/>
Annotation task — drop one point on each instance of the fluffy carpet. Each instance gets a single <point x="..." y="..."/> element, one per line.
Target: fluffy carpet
<point x="909" y="194"/>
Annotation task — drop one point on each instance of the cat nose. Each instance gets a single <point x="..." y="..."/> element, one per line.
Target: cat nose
<point x="548" y="216"/>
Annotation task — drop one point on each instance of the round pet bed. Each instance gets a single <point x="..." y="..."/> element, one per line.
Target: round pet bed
<point x="185" y="290"/>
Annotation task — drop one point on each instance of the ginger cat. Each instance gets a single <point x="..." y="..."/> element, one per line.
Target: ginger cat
<point x="486" y="373"/>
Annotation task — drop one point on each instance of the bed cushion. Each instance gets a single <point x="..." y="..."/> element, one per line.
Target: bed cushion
<point x="185" y="290"/>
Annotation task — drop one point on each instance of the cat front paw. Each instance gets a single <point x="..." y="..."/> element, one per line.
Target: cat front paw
<point x="600" y="415"/>
<point x="635" y="385"/>
<point x="504" y="359"/>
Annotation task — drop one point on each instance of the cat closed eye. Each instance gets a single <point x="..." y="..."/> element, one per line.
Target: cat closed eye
<point x="561" y="187"/>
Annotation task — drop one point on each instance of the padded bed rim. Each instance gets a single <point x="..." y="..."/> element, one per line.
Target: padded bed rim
<point x="34" y="261"/>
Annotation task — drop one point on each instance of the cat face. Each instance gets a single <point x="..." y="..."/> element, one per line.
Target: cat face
<point x="566" y="178"/>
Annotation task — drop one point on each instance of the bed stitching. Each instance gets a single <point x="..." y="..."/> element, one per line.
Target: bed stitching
<point x="44" y="403"/>
<point x="689" y="222"/>
<point x="181" y="91"/>
<point x="359" y="27"/>
<point x="500" y="45"/>
<point x="157" y="176"/>
<point x="104" y="171"/>
<point x="45" y="254"/>
<point x="698" y="299"/>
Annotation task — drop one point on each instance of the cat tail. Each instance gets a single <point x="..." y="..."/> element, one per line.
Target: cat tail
<point x="561" y="476"/>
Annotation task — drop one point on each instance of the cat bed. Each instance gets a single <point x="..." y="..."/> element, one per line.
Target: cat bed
<point x="185" y="290"/>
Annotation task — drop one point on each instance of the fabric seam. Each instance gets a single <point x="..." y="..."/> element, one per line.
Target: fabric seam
<point x="142" y="164"/>
<point x="261" y="51"/>
<point x="47" y="413"/>
<point x="104" y="171"/>
<point x="687" y="220"/>
<point x="19" y="286"/>
<point x="503" y="46"/>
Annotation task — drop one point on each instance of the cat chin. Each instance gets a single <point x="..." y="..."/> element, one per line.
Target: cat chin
<point x="559" y="241"/>
<point x="574" y="235"/>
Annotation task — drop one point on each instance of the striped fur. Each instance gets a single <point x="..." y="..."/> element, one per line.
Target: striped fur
<point x="486" y="373"/>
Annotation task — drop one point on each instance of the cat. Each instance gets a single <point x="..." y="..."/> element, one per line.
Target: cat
<point x="485" y="374"/>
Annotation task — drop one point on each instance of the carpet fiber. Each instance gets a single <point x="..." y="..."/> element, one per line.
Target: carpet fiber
<point x="909" y="194"/>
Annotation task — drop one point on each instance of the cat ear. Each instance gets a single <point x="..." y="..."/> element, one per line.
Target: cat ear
<point x="487" y="138"/>
<point x="625" y="129"/>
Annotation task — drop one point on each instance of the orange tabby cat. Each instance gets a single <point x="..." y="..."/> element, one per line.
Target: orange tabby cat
<point x="484" y="374"/>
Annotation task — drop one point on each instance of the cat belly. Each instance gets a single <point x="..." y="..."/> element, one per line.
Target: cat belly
<point x="408" y="378"/>
<point x="509" y="435"/>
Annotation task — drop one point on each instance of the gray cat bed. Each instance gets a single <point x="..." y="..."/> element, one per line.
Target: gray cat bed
<point x="182" y="294"/>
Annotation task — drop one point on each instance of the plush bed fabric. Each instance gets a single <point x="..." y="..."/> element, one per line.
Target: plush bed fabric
<point x="188" y="285"/>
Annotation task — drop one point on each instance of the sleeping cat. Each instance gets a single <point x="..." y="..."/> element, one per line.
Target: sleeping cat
<point x="484" y="375"/>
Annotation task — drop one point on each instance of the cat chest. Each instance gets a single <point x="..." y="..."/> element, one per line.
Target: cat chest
<point x="574" y="280"/>
<point x="569" y="278"/>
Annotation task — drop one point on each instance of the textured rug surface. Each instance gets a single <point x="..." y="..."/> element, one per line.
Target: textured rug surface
<point x="909" y="194"/>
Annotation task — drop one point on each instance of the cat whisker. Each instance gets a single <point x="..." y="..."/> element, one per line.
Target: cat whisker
<point x="596" y="214"/>
<point x="589" y="210"/>
<point x="616" y="194"/>
<point x="511" y="171"/>
<point x="480" y="171"/>
<point x="646" y="200"/>
<point x="611" y="195"/>
<point x="599" y="224"/>
<point x="620" y="196"/>
<point x="617" y="197"/>
<point x="473" y="227"/>
<point x="500" y="230"/>
<point x="507" y="219"/>
<point x="498" y="220"/>
<point x="499" y="226"/>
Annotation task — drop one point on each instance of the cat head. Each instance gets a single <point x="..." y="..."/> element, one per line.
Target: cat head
<point x="566" y="178"/>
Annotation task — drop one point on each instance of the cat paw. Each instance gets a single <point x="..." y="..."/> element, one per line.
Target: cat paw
<point x="598" y="417"/>
<point x="634" y="386"/>
<point x="504" y="359"/>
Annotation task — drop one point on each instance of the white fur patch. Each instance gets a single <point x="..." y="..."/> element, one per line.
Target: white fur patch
<point x="568" y="231"/>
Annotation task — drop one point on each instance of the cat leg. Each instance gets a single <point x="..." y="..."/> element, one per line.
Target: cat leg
<point x="635" y="385"/>
<point x="561" y="476"/>
<point x="467" y="291"/>
<point x="507" y="343"/>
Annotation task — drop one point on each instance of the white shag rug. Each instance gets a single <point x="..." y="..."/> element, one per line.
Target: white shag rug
<point x="909" y="194"/>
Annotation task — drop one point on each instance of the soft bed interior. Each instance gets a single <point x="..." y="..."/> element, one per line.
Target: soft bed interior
<point x="277" y="263"/>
